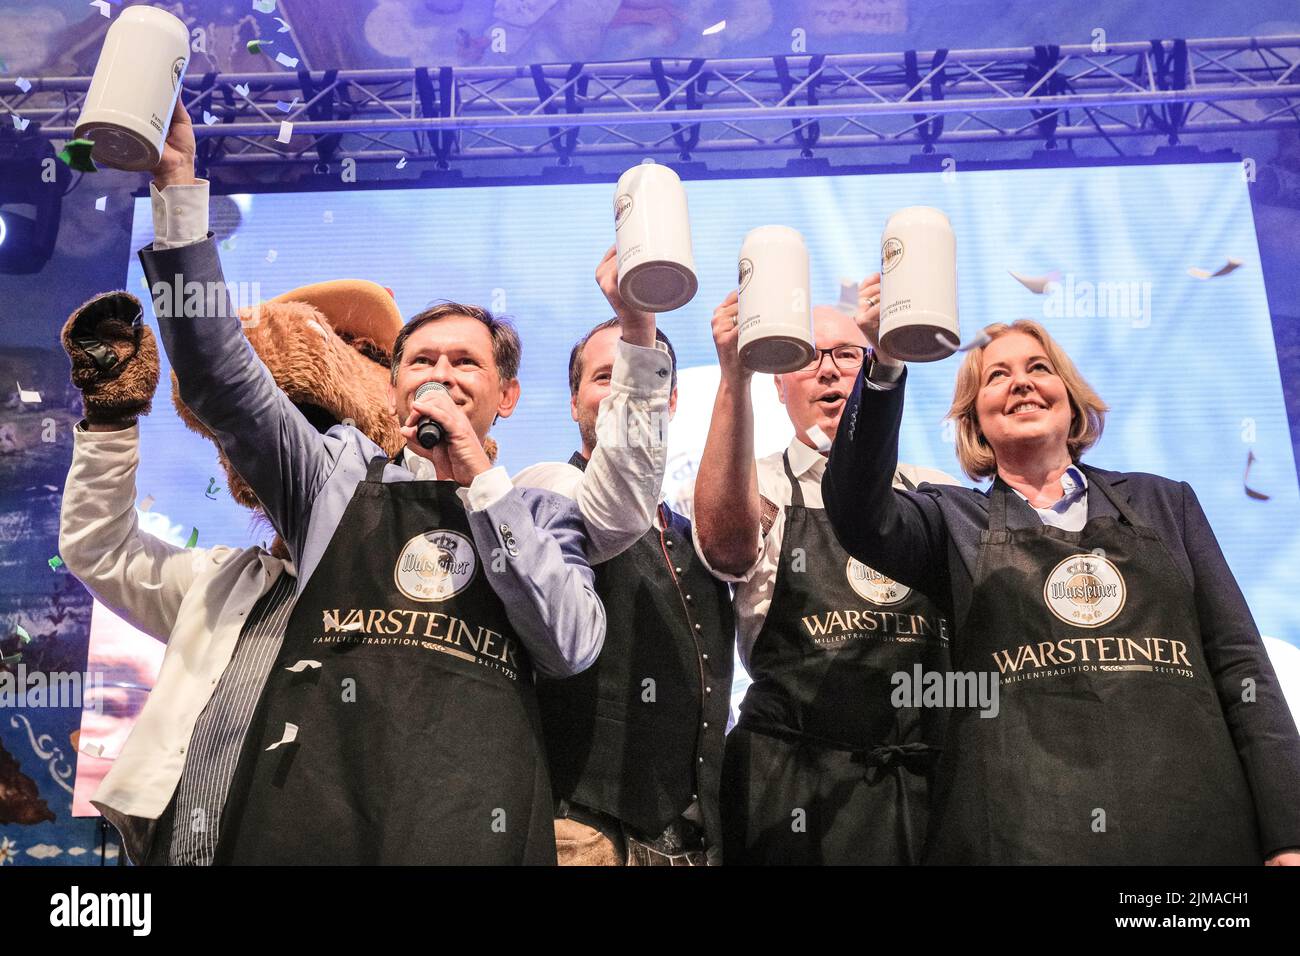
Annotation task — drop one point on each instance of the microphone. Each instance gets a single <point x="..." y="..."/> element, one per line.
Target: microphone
<point x="429" y="432"/>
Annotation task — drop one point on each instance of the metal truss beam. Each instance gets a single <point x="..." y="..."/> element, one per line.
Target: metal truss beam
<point x="1172" y="90"/>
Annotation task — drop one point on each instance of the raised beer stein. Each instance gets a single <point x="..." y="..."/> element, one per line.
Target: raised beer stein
<point x="775" y="318"/>
<point x="128" y="108"/>
<point x="918" y="286"/>
<point x="656" y="269"/>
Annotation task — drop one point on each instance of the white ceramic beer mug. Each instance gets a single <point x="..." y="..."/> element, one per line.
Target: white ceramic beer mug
<point x="128" y="108"/>
<point x="775" y="318"/>
<point x="656" y="268"/>
<point x="918" y="286"/>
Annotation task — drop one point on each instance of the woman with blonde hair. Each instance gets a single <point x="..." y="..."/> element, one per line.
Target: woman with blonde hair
<point x="1139" y="719"/>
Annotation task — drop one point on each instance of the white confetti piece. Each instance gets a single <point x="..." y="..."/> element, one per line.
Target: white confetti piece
<point x="301" y="666"/>
<point x="264" y="6"/>
<point x="286" y="131"/>
<point x="272" y="255"/>
<point x="716" y="28"/>
<point x="101" y="6"/>
<point x="284" y="27"/>
<point x="28" y="396"/>
<point x="289" y="736"/>
<point x="147" y="503"/>
<point x="92" y="750"/>
<point x="208" y="118"/>
<point x="848" y="301"/>
<point x="23" y="84"/>
<point x="818" y="438"/>
<point x="401" y="163"/>
<point x="20" y="123"/>
<point x="1036" y="284"/>
<point x="1232" y="265"/>
<point x="328" y="216"/>
<point x="101" y="203"/>
<point x="242" y="90"/>
<point x="285" y="59"/>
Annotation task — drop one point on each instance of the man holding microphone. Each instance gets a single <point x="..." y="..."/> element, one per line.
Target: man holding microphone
<point x="820" y="767"/>
<point x="398" y="723"/>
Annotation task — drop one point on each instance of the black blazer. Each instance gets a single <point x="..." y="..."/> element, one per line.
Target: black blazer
<point x="929" y="539"/>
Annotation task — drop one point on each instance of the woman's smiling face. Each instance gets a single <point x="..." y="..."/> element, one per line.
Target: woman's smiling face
<point x="1022" y="400"/>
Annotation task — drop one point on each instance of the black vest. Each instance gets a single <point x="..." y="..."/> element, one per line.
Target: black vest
<point x="639" y="734"/>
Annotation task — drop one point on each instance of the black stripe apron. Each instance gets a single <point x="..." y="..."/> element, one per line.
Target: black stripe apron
<point x="821" y="767"/>
<point x="1110" y="745"/>
<point x="418" y="738"/>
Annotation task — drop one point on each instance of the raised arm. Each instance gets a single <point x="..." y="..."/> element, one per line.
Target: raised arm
<point x="1249" y="693"/>
<point x="221" y="379"/>
<point x="728" y="509"/>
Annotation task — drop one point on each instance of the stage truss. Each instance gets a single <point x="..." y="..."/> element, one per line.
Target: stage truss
<point x="929" y="101"/>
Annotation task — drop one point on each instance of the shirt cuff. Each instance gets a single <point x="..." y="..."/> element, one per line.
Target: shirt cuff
<point x="80" y="433"/>
<point x="180" y="214"/>
<point x="884" y="378"/>
<point x="641" y="370"/>
<point x="489" y="488"/>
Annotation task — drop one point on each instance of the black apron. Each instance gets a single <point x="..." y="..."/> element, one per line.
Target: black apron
<point x="1110" y="745"/>
<point x="821" y="767"/>
<point x="418" y="735"/>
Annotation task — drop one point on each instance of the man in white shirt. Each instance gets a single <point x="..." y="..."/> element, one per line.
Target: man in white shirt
<point x="820" y="768"/>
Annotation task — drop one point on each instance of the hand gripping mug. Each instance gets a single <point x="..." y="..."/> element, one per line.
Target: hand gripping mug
<point x="656" y="269"/>
<point x="775" y="318"/>
<point x="918" y="286"/>
<point x="128" y="108"/>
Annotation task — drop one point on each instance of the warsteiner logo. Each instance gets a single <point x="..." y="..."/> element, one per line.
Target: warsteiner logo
<point x="435" y="566"/>
<point x="743" y="276"/>
<point x="891" y="254"/>
<point x="622" y="206"/>
<point x="1085" y="590"/>
<point x="873" y="586"/>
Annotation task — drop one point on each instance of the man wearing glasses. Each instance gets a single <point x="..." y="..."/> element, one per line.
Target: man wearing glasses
<point x="821" y="766"/>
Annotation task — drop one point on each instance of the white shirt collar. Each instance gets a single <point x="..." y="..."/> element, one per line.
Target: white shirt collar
<point x="1073" y="484"/>
<point x="805" y="460"/>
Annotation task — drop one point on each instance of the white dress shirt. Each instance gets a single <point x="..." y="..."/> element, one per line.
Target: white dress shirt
<point x="754" y="588"/>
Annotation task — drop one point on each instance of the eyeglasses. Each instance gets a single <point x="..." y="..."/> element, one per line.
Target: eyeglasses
<point x="846" y="358"/>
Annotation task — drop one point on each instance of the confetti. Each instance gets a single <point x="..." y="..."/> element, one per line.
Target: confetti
<point x="255" y="46"/>
<point x="1036" y="284"/>
<point x="55" y="563"/>
<point x="101" y="203"/>
<point x="284" y="107"/>
<point x="289" y="736"/>
<point x="1251" y="492"/>
<point x="147" y="503"/>
<point x="77" y="155"/>
<point x="264" y="6"/>
<point x="208" y="118"/>
<point x="848" y="302"/>
<point x="328" y="216"/>
<point x="242" y="89"/>
<point x="286" y="131"/>
<point x="301" y="666"/>
<point x="194" y="538"/>
<point x="401" y="163"/>
<point x="284" y="27"/>
<point x="980" y="340"/>
<point x="228" y="244"/>
<point x="92" y="750"/>
<point x="716" y="28"/>
<point x="818" y="438"/>
<point x="22" y="634"/>
<point x="28" y="396"/>
<point x="1232" y="265"/>
<point x="212" y="487"/>
<point x="285" y="59"/>
<point x="101" y="6"/>
<point x="23" y="84"/>
<point x="19" y="123"/>
<point x="272" y="255"/>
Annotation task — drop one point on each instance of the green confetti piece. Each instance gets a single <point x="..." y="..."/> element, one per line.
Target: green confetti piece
<point x="22" y="634"/>
<point x="77" y="155"/>
<point x="16" y="659"/>
<point x="255" y="46"/>
<point x="55" y="563"/>
<point x="194" y="538"/>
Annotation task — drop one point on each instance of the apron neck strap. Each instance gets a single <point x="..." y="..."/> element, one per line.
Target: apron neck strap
<point x="375" y="469"/>
<point x="900" y="477"/>
<point x="796" y="493"/>
<point x="1115" y="498"/>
